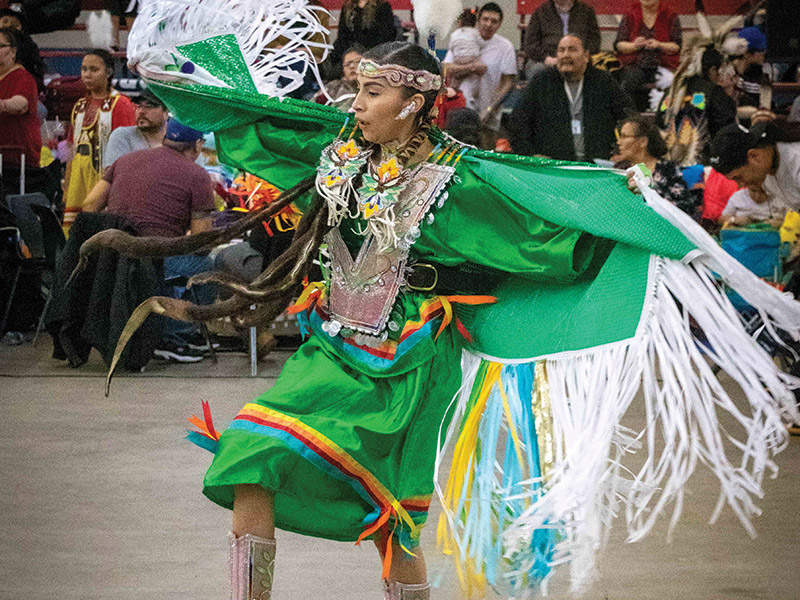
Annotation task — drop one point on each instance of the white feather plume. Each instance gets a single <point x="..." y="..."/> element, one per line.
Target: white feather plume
<point x="100" y="29"/>
<point x="436" y="16"/>
<point x="734" y="45"/>
<point x="277" y="37"/>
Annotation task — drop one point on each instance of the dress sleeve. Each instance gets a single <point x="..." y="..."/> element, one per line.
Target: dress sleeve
<point x="480" y="225"/>
<point x="675" y="32"/>
<point x="202" y="194"/>
<point x="593" y="34"/>
<point x="533" y="39"/>
<point x="624" y="31"/>
<point x="26" y="87"/>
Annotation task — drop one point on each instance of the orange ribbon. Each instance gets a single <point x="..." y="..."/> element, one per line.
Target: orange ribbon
<point x="206" y="427"/>
<point x="447" y="305"/>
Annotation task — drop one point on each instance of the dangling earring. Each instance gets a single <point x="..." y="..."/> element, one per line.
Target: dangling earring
<point x="407" y="110"/>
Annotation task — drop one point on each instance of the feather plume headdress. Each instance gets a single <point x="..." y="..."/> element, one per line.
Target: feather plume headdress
<point x="686" y="146"/>
<point x="278" y="38"/>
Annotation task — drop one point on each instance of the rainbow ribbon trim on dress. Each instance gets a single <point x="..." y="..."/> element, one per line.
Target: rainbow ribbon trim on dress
<point x="324" y="453"/>
<point x="311" y="314"/>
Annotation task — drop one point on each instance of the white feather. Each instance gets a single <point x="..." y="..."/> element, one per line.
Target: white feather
<point x="100" y="29"/>
<point x="704" y="26"/>
<point x="276" y="37"/>
<point x="664" y="78"/>
<point x="436" y="16"/>
<point x="734" y="45"/>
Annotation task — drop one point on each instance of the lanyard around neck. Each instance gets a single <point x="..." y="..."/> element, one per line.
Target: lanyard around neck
<point x="573" y="101"/>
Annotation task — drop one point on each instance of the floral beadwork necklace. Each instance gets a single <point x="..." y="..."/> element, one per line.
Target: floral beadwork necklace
<point x="381" y="186"/>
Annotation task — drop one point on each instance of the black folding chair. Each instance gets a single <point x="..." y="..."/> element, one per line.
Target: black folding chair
<point x="37" y="238"/>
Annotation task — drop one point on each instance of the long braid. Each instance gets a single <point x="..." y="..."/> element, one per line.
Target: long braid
<point x="416" y="141"/>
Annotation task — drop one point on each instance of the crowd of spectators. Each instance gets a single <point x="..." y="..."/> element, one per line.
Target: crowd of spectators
<point x="567" y="99"/>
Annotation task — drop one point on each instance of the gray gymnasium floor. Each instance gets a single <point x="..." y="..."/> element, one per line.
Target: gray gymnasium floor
<point x="101" y="499"/>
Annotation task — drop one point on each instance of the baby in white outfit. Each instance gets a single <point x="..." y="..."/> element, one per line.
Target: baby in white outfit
<point x="465" y="46"/>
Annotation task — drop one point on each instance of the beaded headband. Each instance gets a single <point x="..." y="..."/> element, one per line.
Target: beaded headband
<point x="397" y="76"/>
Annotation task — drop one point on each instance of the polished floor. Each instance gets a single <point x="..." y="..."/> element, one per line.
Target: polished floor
<point x="101" y="499"/>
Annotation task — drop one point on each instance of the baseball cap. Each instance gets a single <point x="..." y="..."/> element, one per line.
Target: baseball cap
<point x="178" y="132"/>
<point x="730" y="146"/>
<point x="756" y="40"/>
<point x="147" y="97"/>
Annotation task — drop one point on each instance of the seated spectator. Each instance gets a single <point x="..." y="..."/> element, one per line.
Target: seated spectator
<point x="496" y="69"/>
<point x="704" y="109"/>
<point x="367" y="23"/>
<point x="765" y="159"/>
<point x="553" y="20"/>
<point x="569" y="111"/>
<point x="19" y="121"/>
<point x="464" y="48"/>
<point x="343" y="91"/>
<point x="754" y="205"/>
<point x="640" y="142"/>
<point x="162" y="192"/>
<point x="151" y="125"/>
<point x="748" y="62"/>
<point x="649" y="37"/>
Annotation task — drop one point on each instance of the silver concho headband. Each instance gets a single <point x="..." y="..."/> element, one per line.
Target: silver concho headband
<point x="397" y="75"/>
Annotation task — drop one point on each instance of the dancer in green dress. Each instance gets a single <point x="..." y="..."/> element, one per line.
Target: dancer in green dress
<point x="463" y="294"/>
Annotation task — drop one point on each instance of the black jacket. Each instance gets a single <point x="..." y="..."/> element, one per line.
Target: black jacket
<point x="546" y="29"/>
<point x="92" y="310"/>
<point x="541" y="122"/>
<point x="382" y="30"/>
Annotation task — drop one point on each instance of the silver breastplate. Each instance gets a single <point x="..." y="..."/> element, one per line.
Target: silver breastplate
<point x="363" y="290"/>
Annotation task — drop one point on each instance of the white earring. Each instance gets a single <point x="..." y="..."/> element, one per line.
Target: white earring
<point x="407" y="110"/>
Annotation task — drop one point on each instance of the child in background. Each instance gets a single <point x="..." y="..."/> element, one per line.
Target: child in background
<point x="466" y="45"/>
<point x="753" y="205"/>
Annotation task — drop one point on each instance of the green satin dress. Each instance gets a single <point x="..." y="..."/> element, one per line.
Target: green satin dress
<point x="347" y="436"/>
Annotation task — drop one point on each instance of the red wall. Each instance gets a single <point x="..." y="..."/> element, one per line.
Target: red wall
<point x="613" y="7"/>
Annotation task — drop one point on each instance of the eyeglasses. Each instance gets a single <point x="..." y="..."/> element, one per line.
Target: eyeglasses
<point x="6" y="46"/>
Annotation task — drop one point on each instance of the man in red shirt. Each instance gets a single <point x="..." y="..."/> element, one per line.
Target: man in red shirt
<point x="163" y="192"/>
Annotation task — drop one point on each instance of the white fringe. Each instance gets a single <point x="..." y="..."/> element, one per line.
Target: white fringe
<point x="775" y="307"/>
<point x="259" y="26"/>
<point x="688" y="421"/>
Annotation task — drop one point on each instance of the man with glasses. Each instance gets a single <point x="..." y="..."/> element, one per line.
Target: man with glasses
<point x="151" y="125"/>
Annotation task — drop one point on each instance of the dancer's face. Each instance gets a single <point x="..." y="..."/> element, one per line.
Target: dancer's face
<point x="377" y="106"/>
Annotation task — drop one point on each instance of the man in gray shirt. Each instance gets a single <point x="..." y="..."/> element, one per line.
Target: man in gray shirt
<point x="151" y="124"/>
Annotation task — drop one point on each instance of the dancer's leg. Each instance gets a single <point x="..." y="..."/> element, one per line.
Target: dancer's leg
<point x="408" y="578"/>
<point x="406" y="568"/>
<point x="252" y="543"/>
<point x="253" y="511"/>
